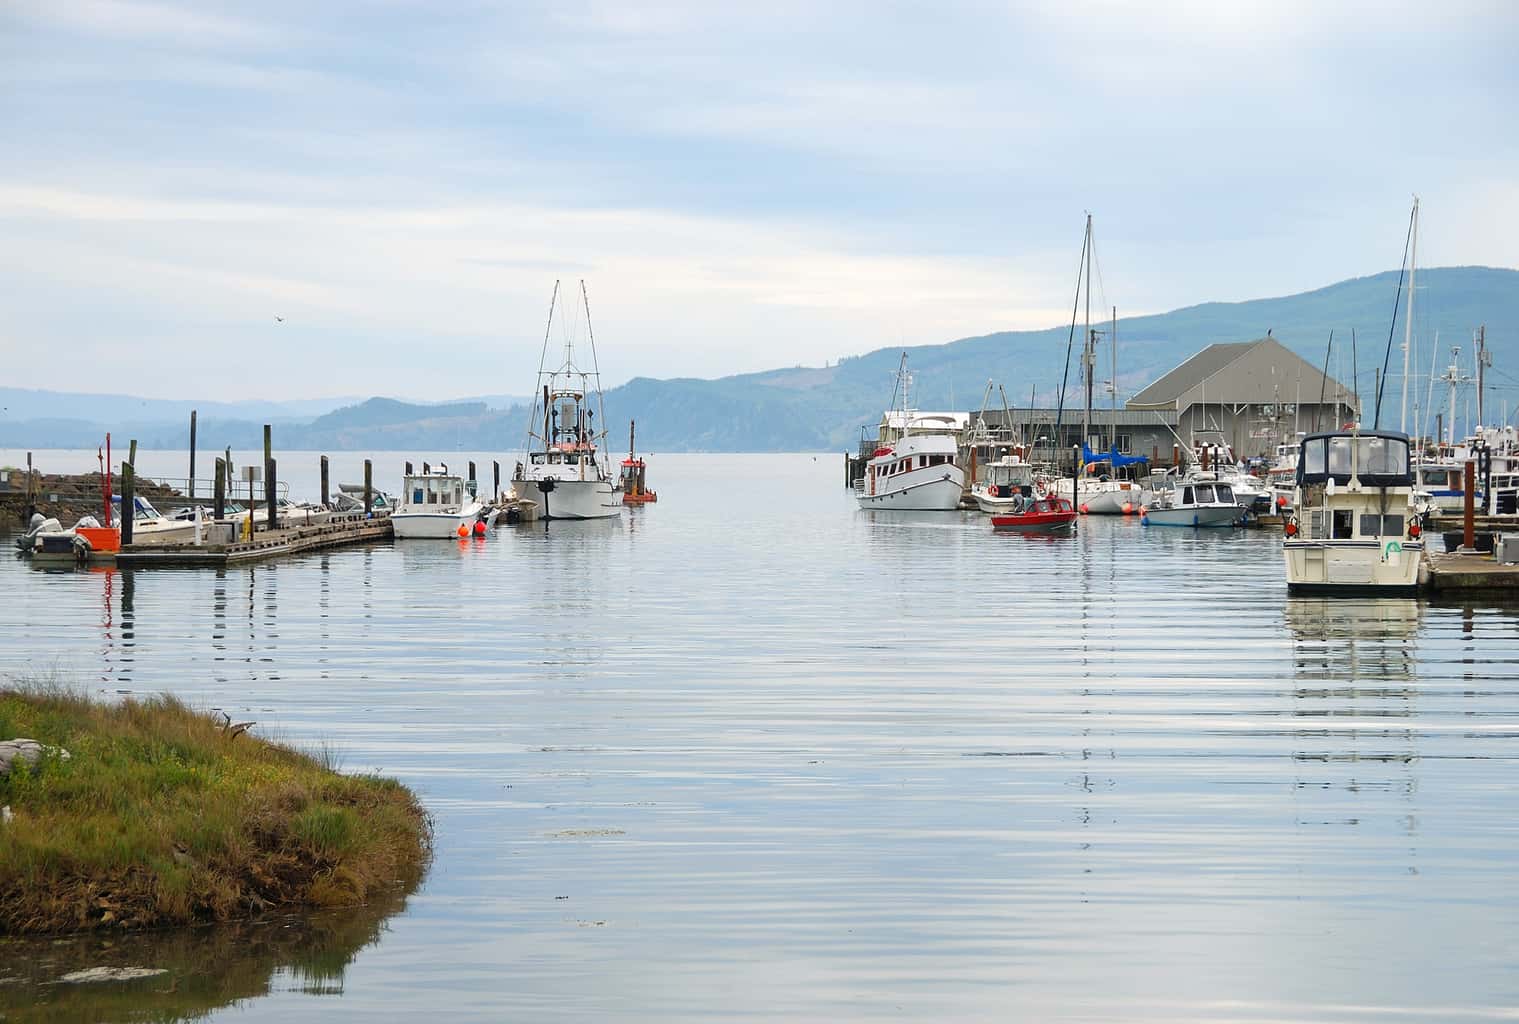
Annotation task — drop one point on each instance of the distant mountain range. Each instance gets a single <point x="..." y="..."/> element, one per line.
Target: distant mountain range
<point x="823" y="408"/>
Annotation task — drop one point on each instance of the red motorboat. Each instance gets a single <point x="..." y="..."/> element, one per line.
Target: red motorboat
<point x="1049" y="514"/>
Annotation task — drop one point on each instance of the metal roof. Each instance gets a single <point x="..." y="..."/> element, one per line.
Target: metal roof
<point x="1243" y="372"/>
<point x="1189" y="374"/>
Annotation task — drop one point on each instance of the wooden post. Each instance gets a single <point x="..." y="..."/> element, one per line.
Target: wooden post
<point x="31" y="506"/>
<point x="269" y="497"/>
<point x="496" y="481"/>
<point x="132" y="454"/>
<point x="408" y="469"/>
<point x="1468" y="523"/>
<point x="1175" y="456"/>
<point x="472" y="473"/>
<point x="192" y="453"/>
<point x="128" y="501"/>
<point x="219" y="506"/>
<point x="268" y="443"/>
<point x="325" y="492"/>
<point x="368" y="488"/>
<point x="426" y="469"/>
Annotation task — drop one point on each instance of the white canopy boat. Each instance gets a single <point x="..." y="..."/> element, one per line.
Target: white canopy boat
<point x="566" y="472"/>
<point x="1198" y="500"/>
<point x="435" y="506"/>
<point x="1356" y="529"/>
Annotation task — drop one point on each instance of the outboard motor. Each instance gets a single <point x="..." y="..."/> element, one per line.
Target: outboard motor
<point x="39" y="524"/>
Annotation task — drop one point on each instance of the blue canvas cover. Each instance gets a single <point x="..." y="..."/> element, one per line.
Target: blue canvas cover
<point x="1111" y="457"/>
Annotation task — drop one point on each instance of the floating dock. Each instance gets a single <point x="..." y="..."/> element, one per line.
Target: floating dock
<point x="339" y="531"/>
<point x="1453" y="572"/>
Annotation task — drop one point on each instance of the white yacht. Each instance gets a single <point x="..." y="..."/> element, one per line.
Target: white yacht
<point x="917" y="471"/>
<point x="435" y="506"/>
<point x="1356" y="528"/>
<point x="1198" y="500"/>
<point x="566" y="472"/>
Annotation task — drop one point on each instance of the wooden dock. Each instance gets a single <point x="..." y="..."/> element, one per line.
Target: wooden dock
<point x="339" y="531"/>
<point x="1460" y="573"/>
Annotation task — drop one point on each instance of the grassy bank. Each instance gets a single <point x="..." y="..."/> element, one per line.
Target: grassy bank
<point x="162" y="816"/>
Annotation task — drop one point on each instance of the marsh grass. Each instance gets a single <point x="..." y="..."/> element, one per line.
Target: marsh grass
<point x="160" y="817"/>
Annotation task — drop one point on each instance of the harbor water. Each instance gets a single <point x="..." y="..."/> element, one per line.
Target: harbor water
<point x="752" y="753"/>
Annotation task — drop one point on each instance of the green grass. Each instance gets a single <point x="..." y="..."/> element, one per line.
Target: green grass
<point x="160" y="817"/>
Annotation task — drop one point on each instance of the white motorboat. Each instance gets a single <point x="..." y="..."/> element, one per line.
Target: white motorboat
<point x="1356" y="529"/>
<point x="916" y="472"/>
<point x="1281" y="476"/>
<point x="566" y="472"/>
<point x="149" y="526"/>
<point x="1007" y="484"/>
<point x="436" y="505"/>
<point x="1198" y="500"/>
<point x="1114" y="498"/>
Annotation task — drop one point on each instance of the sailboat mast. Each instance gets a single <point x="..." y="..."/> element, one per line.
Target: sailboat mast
<point x="1113" y="425"/>
<point x="1408" y="322"/>
<point x="1086" y="352"/>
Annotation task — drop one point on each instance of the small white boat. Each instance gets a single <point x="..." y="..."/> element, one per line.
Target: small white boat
<point x="1199" y="500"/>
<point x="149" y="526"/>
<point x="566" y="472"/>
<point x="1356" y="528"/>
<point x="1007" y="485"/>
<point x="435" y="506"/>
<point x="1113" y="497"/>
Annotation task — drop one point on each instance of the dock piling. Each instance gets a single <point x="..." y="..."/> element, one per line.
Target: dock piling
<point x="325" y="492"/>
<point x="269" y="488"/>
<point x="192" y="453"/>
<point x="1468" y="521"/>
<point x="219" y="505"/>
<point x="132" y="453"/>
<point x="408" y="469"/>
<point x="368" y="488"/>
<point x="496" y="481"/>
<point x="128" y="501"/>
<point x="472" y="478"/>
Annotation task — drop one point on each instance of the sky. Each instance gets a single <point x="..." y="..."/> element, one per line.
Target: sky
<point x="740" y="187"/>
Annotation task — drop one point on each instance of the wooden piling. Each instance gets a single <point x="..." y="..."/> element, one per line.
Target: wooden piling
<point x="128" y="501"/>
<point x="269" y="498"/>
<point x="268" y="443"/>
<point x="496" y="481"/>
<point x="368" y="488"/>
<point x="471" y="478"/>
<point x="426" y="469"/>
<point x="325" y="494"/>
<point x="132" y="453"/>
<point x="31" y="506"/>
<point x="219" y="499"/>
<point x="1468" y="521"/>
<point x="191" y="491"/>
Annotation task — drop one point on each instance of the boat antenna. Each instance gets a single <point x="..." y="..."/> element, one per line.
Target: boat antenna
<point x="595" y="364"/>
<point x="1318" y="413"/>
<point x="532" y="411"/>
<point x="1392" y="325"/>
<point x="1070" y="340"/>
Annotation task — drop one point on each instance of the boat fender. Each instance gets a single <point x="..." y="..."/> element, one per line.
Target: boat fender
<point x="1128" y="508"/>
<point x="1291" y="528"/>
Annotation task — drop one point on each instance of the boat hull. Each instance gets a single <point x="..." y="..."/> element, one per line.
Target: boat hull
<point x="939" y="493"/>
<point x="1115" y="502"/>
<point x="573" y="499"/>
<point x="1353" y="568"/>
<point x="1037" y="522"/>
<point x="430" y="525"/>
<point x="1218" y="516"/>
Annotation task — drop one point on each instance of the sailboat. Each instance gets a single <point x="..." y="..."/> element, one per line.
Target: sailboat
<point x="565" y="472"/>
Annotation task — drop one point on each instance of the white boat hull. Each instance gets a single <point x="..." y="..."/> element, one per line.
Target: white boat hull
<point x="573" y="499"/>
<point x="168" y="531"/>
<point x="1116" y="502"/>
<point x="1389" y="566"/>
<point x="996" y="506"/>
<point x="431" y="525"/>
<point x="934" y="489"/>
<point x="1205" y="516"/>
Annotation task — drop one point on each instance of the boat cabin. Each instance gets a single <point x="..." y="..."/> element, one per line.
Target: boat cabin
<point x="1342" y="480"/>
<point x="1204" y="493"/>
<point x="434" y="490"/>
<point x="1373" y="458"/>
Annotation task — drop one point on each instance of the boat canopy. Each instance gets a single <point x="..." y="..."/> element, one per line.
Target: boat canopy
<point x="1111" y="457"/>
<point x="1379" y="458"/>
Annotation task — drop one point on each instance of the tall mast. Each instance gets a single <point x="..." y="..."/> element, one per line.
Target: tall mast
<point x="1113" y="424"/>
<point x="1484" y="360"/>
<point x="1087" y="357"/>
<point x="1408" y="323"/>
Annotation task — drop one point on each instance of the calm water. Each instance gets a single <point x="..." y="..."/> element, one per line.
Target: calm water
<point x="752" y="753"/>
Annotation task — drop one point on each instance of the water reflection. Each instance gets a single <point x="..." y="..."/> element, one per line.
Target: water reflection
<point x="204" y="969"/>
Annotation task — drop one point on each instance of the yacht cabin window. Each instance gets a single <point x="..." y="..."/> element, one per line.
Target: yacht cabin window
<point x="1225" y="494"/>
<point x="1186" y="495"/>
<point x="1204" y="494"/>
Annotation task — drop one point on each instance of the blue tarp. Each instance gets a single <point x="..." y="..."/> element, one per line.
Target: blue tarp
<point x="1111" y="457"/>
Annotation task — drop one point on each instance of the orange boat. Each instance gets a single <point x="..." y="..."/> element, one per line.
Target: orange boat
<point x="635" y="489"/>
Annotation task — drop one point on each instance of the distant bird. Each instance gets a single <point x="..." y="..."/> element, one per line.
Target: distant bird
<point x="279" y="319"/>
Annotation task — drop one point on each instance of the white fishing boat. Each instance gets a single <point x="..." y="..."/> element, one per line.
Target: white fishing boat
<point x="1356" y="528"/>
<point x="149" y="526"/>
<point x="1199" y="500"/>
<point x="1007" y="484"/>
<point x="435" y="506"/>
<point x="566" y="472"/>
<point x="916" y="472"/>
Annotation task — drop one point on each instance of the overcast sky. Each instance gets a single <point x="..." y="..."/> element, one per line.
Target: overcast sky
<point x="777" y="184"/>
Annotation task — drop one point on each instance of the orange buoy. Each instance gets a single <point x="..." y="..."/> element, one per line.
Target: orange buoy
<point x="1083" y="508"/>
<point x="479" y="527"/>
<point x="463" y="530"/>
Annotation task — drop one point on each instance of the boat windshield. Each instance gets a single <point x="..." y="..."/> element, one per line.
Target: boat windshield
<point x="1225" y="494"/>
<point x="1378" y="459"/>
<point x="1204" y="494"/>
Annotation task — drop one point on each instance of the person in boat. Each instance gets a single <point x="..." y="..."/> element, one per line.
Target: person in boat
<point x="1020" y="503"/>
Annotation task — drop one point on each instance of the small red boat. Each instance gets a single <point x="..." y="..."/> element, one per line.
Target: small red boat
<point x="1048" y="514"/>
